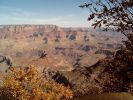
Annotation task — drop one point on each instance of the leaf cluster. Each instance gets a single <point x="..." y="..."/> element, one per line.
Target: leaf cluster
<point x="28" y="84"/>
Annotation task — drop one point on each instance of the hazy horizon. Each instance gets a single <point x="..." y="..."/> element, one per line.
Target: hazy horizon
<point x="47" y="24"/>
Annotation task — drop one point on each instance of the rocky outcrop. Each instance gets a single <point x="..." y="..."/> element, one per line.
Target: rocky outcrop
<point x="81" y="80"/>
<point x="108" y="75"/>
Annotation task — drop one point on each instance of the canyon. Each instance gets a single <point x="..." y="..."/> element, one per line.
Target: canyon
<point x="53" y="47"/>
<point x="86" y="60"/>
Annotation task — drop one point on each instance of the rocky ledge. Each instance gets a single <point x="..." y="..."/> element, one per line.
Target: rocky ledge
<point x="107" y="75"/>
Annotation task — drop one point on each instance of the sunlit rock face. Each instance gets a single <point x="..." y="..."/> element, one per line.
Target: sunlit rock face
<point x="57" y="48"/>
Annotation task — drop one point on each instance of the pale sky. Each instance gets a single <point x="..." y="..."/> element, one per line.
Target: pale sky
<point x="57" y="12"/>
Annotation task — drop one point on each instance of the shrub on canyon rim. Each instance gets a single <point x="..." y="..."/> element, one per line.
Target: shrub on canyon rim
<point x="29" y="84"/>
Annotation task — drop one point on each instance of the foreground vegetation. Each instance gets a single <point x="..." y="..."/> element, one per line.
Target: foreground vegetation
<point x="29" y="84"/>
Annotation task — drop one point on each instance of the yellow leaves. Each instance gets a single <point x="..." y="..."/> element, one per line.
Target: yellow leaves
<point x="29" y="84"/>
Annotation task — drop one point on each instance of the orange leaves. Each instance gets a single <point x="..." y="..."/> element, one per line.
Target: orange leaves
<point x="29" y="84"/>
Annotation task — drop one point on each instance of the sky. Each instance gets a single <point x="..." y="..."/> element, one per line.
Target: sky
<point x="65" y="13"/>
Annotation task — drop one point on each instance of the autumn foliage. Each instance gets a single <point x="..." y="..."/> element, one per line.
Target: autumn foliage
<point x="29" y="84"/>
